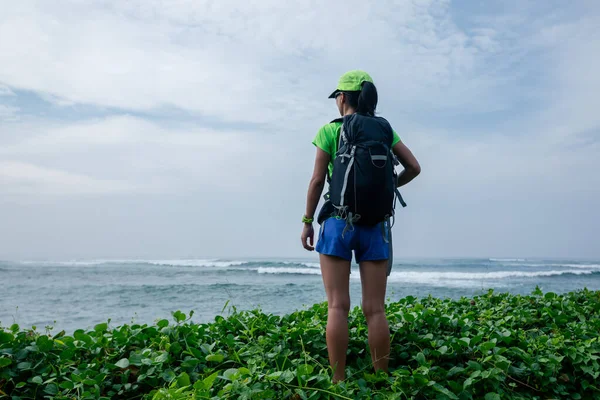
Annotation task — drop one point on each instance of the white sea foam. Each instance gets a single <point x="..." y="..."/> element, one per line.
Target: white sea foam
<point x="312" y="265"/>
<point x="445" y="277"/>
<point x="288" y="270"/>
<point x="172" y="263"/>
<point x="460" y="279"/>
<point x="555" y="265"/>
<point x="587" y="266"/>
<point x="74" y="263"/>
<point x="196" y="263"/>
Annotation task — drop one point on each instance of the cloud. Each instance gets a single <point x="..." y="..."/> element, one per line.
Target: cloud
<point x="5" y="90"/>
<point x="28" y="179"/>
<point x="115" y="131"/>
<point x="151" y="157"/>
<point x="236" y="61"/>
<point x="199" y="116"/>
<point x="8" y="113"/>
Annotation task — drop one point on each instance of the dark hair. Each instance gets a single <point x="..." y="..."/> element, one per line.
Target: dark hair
<point x="365" y="100"/>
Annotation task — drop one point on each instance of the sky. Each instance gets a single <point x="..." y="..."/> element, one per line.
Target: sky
<point x="175" y="129"/>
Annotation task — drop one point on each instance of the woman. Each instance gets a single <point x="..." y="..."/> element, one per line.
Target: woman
<point x="355" y="93"/>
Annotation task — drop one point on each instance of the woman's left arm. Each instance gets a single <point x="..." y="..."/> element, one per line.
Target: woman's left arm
<point x="412" y="168"/>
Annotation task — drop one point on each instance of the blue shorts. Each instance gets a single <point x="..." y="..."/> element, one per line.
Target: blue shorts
<point x="369" y="243"/>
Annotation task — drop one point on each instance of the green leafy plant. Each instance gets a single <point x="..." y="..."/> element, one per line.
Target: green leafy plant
<point x="493" y="346"/>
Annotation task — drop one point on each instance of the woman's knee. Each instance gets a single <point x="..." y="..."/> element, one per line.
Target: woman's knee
<point x="341" y="304"/>
<point x="372" y="308"/>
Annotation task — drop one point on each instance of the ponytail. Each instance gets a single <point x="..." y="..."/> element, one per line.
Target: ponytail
<point x="367" y="100"/>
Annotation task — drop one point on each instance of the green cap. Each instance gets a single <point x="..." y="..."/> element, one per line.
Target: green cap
<point x="351" y="81"/>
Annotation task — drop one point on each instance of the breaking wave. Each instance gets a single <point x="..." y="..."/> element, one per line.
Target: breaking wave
<point x="204" y="263"/>
<point x="444" y="277"/>
<point x="288" y="270"/>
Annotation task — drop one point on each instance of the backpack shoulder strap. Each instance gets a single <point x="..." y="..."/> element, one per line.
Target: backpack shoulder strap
<point x="342" y="138"/>
<point x="388" y="128"/>
<point x="341" y="119"/>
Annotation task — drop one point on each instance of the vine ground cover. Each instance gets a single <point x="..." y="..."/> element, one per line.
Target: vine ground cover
<point x="492" y="346"/>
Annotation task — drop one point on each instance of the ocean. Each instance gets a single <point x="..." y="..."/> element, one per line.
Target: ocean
<point x="79" y="294"/>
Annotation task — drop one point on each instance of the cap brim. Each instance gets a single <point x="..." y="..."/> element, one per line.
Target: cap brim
<point x="332" y="95"/>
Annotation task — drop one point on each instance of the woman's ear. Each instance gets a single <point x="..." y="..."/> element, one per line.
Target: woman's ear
<point x="339" y="99"/>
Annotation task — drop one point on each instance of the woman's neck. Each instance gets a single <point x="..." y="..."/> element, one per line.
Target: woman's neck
<point x="349" y="111"/>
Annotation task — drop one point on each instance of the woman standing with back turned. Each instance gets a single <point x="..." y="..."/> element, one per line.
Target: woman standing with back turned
<point x="339" y="236"/>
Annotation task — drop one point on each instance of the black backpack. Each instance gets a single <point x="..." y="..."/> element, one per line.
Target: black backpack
<point x="362" y="187"/>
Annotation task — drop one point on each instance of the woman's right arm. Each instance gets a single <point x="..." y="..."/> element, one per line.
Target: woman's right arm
<point x="317" y="182"/>
<point x="315" y="188"/>
<point x="408" y="161"/>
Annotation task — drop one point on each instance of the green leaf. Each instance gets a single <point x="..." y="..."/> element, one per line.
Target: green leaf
<point x="101" y="327"/>
<point x="183" y="380"/>
<point x="265" y="394"/>
<point x="305" y="369"/>
<point x="443" y="349"/>
<point x="161" y="358"/>
<point x="80" y="335"/>
<point x="486" y="346"/>
<point x="122" y="363"/>
<point x="421" y="359"/>
<point x="475" y="365"/>
<point x="197" y="353"/>
<point x="215" y="358"/>
<point x="190" y="363"/>
<point x="230" y="374"/>
<point x="168" y="375"/>
<point x="210" y="380"/>
<point x="179" y="316"/>
<point x="37" y="380"/>
<point x="465" y="340"/>
<point x="274" y="375"/>
<point x="136" y="359"/>
<point x="410" y="317"/>
<point x="163" y="323"/>
<point x="468" y="382"/>
<point x="475" y="374"/>
<point x="51" y="389"/>
<point x="44" y="344"/>
<point x="5" y="337"/>
<point x="455" y="370"/>
<point x="5" y="361"/>
<point x="492" y="396"/>
<point x="66" y="385"/>
<point x="445" y="391"/>
<point x="476" y="339"/>
<point x="287" y="376"/>
<point x="24" y="365"/>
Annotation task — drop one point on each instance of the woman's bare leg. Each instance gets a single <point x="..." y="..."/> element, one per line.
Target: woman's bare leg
<point x="373" y="276"/>
<point x="336" y="276"/>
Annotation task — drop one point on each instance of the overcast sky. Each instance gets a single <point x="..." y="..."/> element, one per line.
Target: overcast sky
<point x="168" y="129"/>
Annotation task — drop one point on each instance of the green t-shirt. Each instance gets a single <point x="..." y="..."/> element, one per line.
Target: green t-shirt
<point x="328" y="137"/>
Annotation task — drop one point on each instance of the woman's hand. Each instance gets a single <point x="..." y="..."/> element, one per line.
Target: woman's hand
<point x="308" y="233"/>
